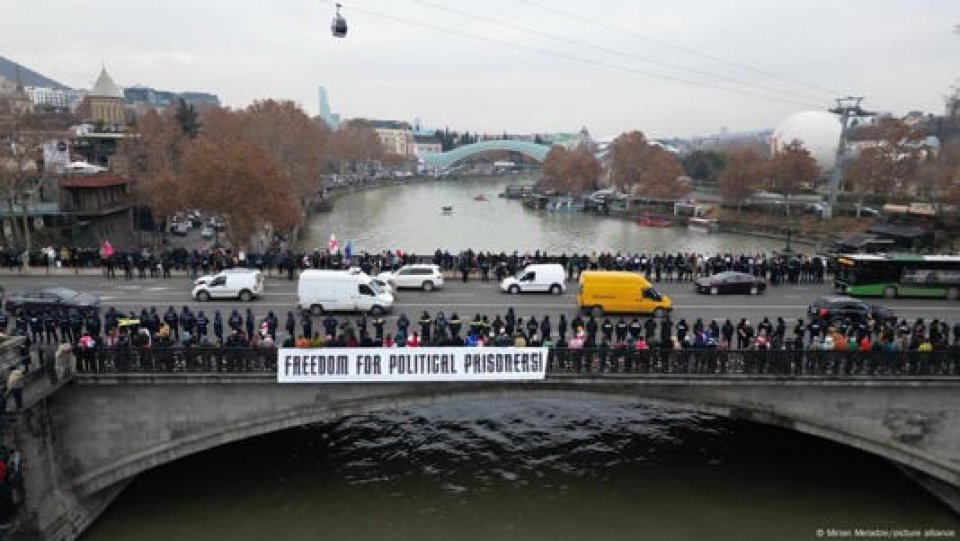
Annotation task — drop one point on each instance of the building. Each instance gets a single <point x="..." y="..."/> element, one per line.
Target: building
<point x="323" y="108"/>
<point x="144" y="97"/>
<point x="55" y="98"/>
<point x="14" y="100"/>
<point x="97" y="208"/>
<point x="426" y="144"/>
<point x="71" y="209"/>
<point x="103" y="105"/>
<point x="396" y="137"/>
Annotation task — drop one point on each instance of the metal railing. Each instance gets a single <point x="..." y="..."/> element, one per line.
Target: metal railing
<point x="593" y="361"/>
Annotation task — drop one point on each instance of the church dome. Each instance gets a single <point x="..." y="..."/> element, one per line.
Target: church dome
<point x="105" y="87"/>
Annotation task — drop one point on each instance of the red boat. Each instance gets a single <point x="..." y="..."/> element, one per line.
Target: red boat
<point x="653" y="221"/>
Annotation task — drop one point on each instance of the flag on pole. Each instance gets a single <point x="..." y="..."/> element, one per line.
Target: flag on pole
<point x="107" y="250"/>
<point x="332" y="244"/>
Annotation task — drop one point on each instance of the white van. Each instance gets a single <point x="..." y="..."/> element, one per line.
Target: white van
<point x="243" y="284"/>
<point x="330" y="290"/>
<point x="545" y="277"/>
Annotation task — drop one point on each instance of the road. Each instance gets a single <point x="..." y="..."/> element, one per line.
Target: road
<point x="468" y="299"/>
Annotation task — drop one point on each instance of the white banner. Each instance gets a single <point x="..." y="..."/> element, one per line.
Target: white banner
<point x="373" y="365"/>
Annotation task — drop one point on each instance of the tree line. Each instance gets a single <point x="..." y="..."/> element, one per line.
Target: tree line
<point x="254" y="166"/>
<point x="890" y="161"/>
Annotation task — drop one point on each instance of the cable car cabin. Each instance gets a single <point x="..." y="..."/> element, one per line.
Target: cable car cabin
<point x="339" y="25"/>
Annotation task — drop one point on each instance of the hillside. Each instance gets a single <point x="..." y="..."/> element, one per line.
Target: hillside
<point x="8" y="70"/>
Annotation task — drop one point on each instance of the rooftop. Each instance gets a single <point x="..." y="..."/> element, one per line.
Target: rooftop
<point x="105" y="87"/>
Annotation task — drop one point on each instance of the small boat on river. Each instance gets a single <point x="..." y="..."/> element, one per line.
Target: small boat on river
<point x="653" y="221"/>
<point x="447" y="209"/>
<point x="703" y="225"/>
<point x="479" y="197"/>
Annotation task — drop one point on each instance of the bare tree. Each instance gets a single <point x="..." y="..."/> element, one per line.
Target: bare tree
<point x="570" y="171"/>
<point x="791" y="169"/>
<point x="742" y="177"/>
<point x="238" y="180"/>
<point x="637" y="165"/>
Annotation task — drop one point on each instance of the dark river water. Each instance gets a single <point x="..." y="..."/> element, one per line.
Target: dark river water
<point x="522" y="470"/>
<point x="517" y="470"/>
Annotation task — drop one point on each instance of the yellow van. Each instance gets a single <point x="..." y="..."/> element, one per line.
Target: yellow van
<point x="619" y="291"/>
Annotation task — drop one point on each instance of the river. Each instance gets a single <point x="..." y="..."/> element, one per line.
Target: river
<point x="522" y="469"/>
<point x="411" y="218"/>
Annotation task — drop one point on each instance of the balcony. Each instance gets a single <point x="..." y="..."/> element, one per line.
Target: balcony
<point x="38" y="208"/>
<point x="97" y="208"/>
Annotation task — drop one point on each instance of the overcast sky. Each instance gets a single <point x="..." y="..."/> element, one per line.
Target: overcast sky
<point x="410" y="58"/>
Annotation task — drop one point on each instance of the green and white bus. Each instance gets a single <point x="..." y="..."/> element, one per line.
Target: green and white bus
<point x="898" y="275"/>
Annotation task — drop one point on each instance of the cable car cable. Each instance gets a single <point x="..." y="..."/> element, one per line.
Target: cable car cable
<point x="686" y="50"/>
<point x="582" y="60"/>
<point x="660" y="63"/>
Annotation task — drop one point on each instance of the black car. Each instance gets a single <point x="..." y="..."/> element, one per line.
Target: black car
<point x="831" y="308"/>
<point x="724" y="283"/>
<point x="54" y="298"/>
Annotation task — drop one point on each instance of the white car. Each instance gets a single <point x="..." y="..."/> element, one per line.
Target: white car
<point x="420" y="276"/>
<point x="544" y="278"/>
<point x="245" y="285"/>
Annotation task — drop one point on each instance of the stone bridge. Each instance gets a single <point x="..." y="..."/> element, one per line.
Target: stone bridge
<point x="89" y="439"/>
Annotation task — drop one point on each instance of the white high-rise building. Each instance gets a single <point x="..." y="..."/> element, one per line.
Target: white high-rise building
<point x="332" y="119"/>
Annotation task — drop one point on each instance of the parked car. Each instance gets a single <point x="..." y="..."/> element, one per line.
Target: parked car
<point x="830" y="308"/>
<point x="865" y="211"/>
<point x="418" y="276"/>
<point x="730" y="282"/>
<point x="53" y="298"/>
<point x="207" y="233"/>
<point x="181" y="229"/>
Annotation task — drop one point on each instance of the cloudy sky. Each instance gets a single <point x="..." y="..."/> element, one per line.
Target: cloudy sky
<point x="676" y="68"/>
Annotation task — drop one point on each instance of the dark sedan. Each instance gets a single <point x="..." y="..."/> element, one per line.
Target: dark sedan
<point x="54" y="298"/>
<point x="726" y="283"/>
<point x="836" y="308"/>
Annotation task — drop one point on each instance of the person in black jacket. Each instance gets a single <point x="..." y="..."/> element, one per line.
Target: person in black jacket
<point x="250" y="324"/>
<point x="330" y="326"/>
<point x="218" y="326"/>
<point x="306" y="324"/>
<point x="235" y="321"/>
<point x="290" y="325"/>
<point x="172" y="321"/>
<point x="545" y="327"/>
<point x="455" y="324"/>
<point x="203" y="324"/>
<point x="50" y="322"/>
<point x="666" y="332"/>
<point x="562" y="327"/>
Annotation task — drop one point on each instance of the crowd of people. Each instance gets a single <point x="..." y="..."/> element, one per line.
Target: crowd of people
<point x="157" y="329"/>
<point x="668" y="267"/>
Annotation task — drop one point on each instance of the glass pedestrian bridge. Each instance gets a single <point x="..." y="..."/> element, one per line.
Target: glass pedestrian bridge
<point x="445" y="160"/>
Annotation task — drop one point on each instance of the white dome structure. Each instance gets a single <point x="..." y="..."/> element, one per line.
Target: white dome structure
<point x="818" y="131"/>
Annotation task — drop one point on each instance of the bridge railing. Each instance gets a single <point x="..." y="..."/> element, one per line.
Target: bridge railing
<point x="594" y="361"/>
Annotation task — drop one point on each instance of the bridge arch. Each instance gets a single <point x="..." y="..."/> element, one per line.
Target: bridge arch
<point x="303" y="405"/>
<point x="444" y="160"/>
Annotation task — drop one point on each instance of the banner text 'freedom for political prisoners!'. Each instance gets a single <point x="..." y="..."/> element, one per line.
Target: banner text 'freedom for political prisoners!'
<point x="333" y="365"/>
